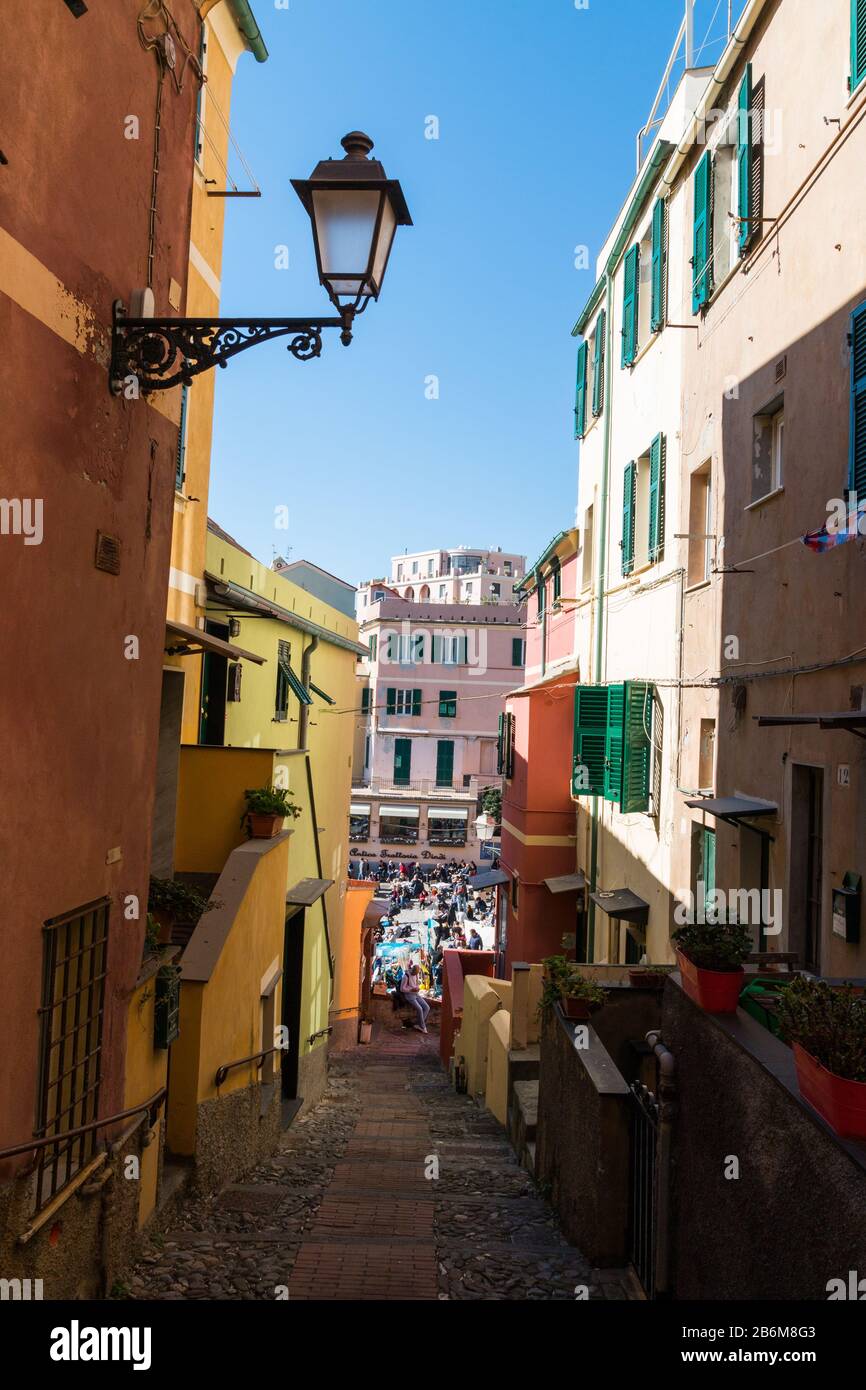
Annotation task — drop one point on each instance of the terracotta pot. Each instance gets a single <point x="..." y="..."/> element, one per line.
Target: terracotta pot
<point x="365" y="1033"/>
<point x="715" y="991"/>
<point x="648" y="979"/>
<point x="841" y="1102"/>
<point x="578" y="1010"/>
<point x="264" y="827"/>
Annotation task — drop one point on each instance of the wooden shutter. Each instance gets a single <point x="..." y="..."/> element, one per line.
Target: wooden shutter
<point x="233" y="689"/>
<point x="500" y="745"/>
<point x="857" y="466"/>
<point x="509" y="746"/>
<point x="517" y="651"/>
<point x="590" y="739"/>
<point x="657" y="498"/>
<point x="580" y="392"/>
<point x="702" y="271"/>
<point x="390" y="700"/>
<point x="744" y="158"/>
<point x="598" y="364"/>
<point x="657" y="305"/>
<point x="858" y="42"/>
<point x="444" y="762"/>
<point x="631" y="284"/>
<point x="402" y="761"/>
<point x="416" y="703"/>
<point x="637" y="749"/>
<point x="615" y="743"/>
<point x="628" y="501"/>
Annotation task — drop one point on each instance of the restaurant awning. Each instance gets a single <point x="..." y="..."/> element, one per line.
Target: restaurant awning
<point x="446" y="813"/>
<point x="733" y="808"/>
<point x="308" y="891"/>
<point x="182" y="640"/>
<point x="853" y="721"/>
<point x="412" y="812"/>
<point x="359" y="808"/>
<point x="488" y="879"/>
<point x="566" y="883"/>
<point x="623" y="904"/>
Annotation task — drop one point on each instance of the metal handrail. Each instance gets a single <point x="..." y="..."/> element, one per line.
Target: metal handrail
<point x="32" y="1144"/>
<point x="257" y="1057"/>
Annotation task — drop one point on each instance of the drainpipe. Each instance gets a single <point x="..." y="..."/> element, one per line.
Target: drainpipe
<point x="246" y="22"/>
<point x="600" y="584"/>
<point x="304" y="718"/>
<point x="667" y="1113"/>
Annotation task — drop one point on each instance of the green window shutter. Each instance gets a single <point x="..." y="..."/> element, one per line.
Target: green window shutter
<point x="509" y="745"/>
<point x="365" y="700"/>
<point x="444" y="762"/>
<point x="590" y="740"/>
<point x="702" y="268"/>
<point x="598" y="365"/>
<point x="637" y="752"/>
<point x="857" y="465"/>
<point x="657" y="304"/>
<point x="416" y="703"/>
<point x="631" y="283"/>
<point x="615" y="743"/>
<point x="180" y="461"/>
<point x="657" y="498"/>
<point x="540" y="592"/>
<point x="580" y="392"/>
<point x="463" y="650"/>
<point x="391" y="700"/>
<point x="374" y="644"/>
<point x="628" y="500"/>
<point x="447" y="704"/>
<point x="402" y="761"/>
<point x="858" y="42"/>
<point x="517" y="651"/>
<point x="557" y="582"/>
<point x="500" y="745"/>
<point x="744" y="158"/>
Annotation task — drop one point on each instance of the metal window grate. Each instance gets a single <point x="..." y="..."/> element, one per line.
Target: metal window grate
<point x="73" y="999"/>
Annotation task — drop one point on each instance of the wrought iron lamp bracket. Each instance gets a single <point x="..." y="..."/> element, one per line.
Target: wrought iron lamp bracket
<point x="157" y="354"/>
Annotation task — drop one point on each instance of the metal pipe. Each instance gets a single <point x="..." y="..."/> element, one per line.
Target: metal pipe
<point x="155" y="1100"/>
<point x="664" y="1155"/>
<point x="304" y="720"/>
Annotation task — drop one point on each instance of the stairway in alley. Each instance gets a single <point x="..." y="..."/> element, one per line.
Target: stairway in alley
<point x="394" y="1187"/>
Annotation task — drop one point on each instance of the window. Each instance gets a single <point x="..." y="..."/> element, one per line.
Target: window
<point x="658" y="285"/>
<point x="359" y="823"/>
<point x="365" y="700"/>
<point x="700" y="526"/>
<point x="281" y="698"/>
<point x="706" y="755"/>
<point x="613" y="740"/>
<point x="643" y="508"/>
<point x="518" y="651"/>
<point x="406" y="702"/>
<point x="857" y="457"/>
<point x="507" y="568"/>
<point x="768" y="449"/>
<point x="447" y="704"/>
<point x="657" y="499"/>
<point x="429" y="568"/>
<point x="505" y="746"/>
<point x="598" y="344"/>
<point x="630" y="304"/>
<point x="414" y="566"/>
<point x="444" y="762"/>
<point x="702" y="263"/>
<point x="629" y="493"/>
<point x="446" y="827"/>
<point x="557" y="581"/>
<point x="704" y="865"/>
<point x="399" y="573"/>
<point x="580" y="391"/>
<point x="586" y="546"/>
<point x="540" y="594"/>
<point x="496" y="591"/>
<point x="442" y="590"/>
<point x="450" y="651"/>
<point x="73" y="996"/>
<point x="858" y="42"/>
<point x="398" y="825"/>
<point x="468" y="588"/>
<point x="180" y="464"/>
<point x="407" y="648"/>
<point x="374" y="646"/>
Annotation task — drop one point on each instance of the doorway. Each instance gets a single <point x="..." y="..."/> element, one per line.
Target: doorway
<point x="214" y="674"/>
<point x="807" y="864"/>
<point x="293" y="975"/>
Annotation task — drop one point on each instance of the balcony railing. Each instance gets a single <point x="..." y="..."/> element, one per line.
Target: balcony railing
<point x="428" y="786"/>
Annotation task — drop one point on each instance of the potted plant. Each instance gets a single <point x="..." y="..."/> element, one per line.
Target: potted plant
<point x="267" y="808"/>
<point x="710" y="957"/>
<point x="170" y="902"/>
<point x="826" y="1028"/>
<point x="649" y="976"/>
<point x="565" y="985"/>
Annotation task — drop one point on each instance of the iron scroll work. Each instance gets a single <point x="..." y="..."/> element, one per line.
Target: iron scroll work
<point x="161" y="353"/>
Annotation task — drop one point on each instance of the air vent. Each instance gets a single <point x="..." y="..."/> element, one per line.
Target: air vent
<point x="107" y="553"/>
<point x="781" y="367"/>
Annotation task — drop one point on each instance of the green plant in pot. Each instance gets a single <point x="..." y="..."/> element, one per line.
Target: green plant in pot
<point x="565" y="985"/>
<point x="267" y="808"/>
<point x="648" y="976"/>
<point x="826" y="1028"/>
<point x="170" y="902"/>
<point x="710" y="955"/>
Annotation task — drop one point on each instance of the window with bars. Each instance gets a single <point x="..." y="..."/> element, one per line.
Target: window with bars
<point x="70" y="1051"/>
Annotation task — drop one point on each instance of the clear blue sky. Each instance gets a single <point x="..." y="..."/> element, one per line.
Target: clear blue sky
<point x="538" y="104"/>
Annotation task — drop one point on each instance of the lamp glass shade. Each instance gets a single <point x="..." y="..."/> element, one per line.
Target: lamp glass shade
<point x="387" y="228"/>
<point x="345" y="226"/>
<point x="484" y="827"/>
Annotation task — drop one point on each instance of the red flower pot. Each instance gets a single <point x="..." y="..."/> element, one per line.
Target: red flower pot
<point x="264" y="827"/>
<point x="715" y="991"/>
<point x="578" y="1010"/>
<point x="647" y="979"/>
<point x="841" y="1102"/>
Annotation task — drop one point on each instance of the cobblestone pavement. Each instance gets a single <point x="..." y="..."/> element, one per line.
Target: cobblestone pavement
<point x="346" y="1210"/>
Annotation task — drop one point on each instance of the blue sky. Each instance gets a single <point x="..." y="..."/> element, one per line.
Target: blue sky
<point x="538" y="104"/>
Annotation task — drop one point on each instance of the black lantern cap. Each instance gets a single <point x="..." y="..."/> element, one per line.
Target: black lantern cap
<point x="357" y="170"/>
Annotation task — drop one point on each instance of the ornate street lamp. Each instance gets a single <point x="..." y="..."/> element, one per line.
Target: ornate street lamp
<point x="354" y="210"/>
<point x="484" y="827"/>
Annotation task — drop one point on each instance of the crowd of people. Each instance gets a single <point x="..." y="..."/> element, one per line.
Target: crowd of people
<point x="408" y="957"/>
